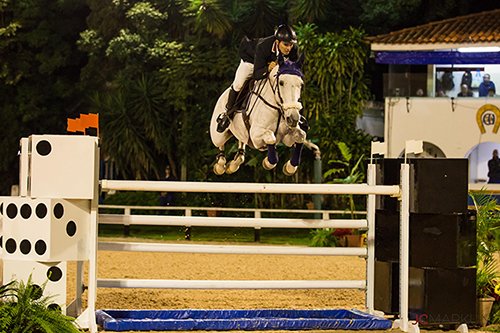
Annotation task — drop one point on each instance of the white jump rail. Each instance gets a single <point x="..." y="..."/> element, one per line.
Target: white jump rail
<point x="369" y="189"/>
<point x="159" y="186"/>
<point x="243" y="222"/>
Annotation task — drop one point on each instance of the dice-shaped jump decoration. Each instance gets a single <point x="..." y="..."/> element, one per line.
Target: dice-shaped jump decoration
<point x="45" y="229"/>
<point x="1" y="224"/>
<point x="62" y="166"/>
<point x="53" y="274"/>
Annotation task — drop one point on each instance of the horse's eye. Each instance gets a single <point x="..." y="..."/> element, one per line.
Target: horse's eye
<point x="281" y="83"/>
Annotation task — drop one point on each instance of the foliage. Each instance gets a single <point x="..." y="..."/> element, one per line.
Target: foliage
<point x="336" y="87"/>
<point x="23" y="308"/>
<point x="487" y="236"/>
<point x="382" y="16"/>
<point x="352" y="174"/>
<point x="323" y="238"/>
<point x="38" y="74"/>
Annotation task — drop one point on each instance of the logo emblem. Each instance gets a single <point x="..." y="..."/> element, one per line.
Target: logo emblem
<point x="488" y="115"/>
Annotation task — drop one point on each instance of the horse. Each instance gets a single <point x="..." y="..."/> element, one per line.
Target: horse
<point x="272" y="116"/>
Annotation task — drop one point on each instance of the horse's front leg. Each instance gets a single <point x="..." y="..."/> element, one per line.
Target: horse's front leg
<point x="272" y="156"/>
<point x="298" y="137"/>
<point x="220" y="163"/>
<point x="238" y="159"/>
<point x="291" y="166"/>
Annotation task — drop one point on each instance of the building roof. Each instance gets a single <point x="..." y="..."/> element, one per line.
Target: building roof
<point x="481" y="29"/>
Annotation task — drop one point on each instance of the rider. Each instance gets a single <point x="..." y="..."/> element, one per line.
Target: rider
<point x="259" y="57"/>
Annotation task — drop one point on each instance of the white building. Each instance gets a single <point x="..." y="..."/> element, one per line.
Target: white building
<point x="420" y="104"/>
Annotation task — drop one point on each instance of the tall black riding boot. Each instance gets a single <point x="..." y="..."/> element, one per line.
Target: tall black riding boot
<point x="223" y="119"/>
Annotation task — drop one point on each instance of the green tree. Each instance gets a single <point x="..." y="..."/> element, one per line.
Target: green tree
<point x="259" y="18"/>
<point x="39" y="73"/>
<point x="336" y="87"/>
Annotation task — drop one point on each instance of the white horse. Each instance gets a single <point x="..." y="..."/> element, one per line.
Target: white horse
<point x="273" y="111"/>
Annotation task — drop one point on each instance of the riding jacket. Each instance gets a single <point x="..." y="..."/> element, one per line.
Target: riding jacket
<point x="262" y="51"/>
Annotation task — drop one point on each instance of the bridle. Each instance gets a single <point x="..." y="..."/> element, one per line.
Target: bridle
<point x="276" y="91"/>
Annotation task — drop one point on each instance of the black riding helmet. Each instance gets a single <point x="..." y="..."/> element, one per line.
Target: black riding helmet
<point x="285" y="33"/>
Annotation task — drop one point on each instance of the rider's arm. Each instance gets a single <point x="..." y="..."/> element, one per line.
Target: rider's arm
<point x="261" y="61"/>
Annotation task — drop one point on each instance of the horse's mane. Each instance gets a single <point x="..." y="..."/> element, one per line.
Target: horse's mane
<point x="289" y="67"/>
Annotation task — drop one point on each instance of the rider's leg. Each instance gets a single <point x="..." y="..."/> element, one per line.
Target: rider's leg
<point x="244" y="71"/>
<point x="223" y="118"/>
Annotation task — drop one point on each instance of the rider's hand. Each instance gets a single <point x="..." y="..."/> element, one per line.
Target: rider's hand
<point x="272" y="64"/>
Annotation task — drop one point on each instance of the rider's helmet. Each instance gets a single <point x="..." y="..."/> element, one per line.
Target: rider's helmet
<point x="285" y="33"/>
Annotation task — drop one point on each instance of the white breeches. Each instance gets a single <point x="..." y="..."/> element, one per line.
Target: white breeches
<point x="244" y="72"/>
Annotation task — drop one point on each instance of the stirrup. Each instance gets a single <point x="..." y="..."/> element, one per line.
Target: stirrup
<point x="222" y="122"/>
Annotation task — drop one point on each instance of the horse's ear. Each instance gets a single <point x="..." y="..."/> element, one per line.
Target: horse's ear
<point x="281" y="61"/>
<point x="300" y="62"/>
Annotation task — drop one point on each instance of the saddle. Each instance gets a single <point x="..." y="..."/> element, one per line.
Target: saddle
<point x="241" y="103"/>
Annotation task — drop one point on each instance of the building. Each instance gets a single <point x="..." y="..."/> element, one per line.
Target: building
<point x="427" y="65"/>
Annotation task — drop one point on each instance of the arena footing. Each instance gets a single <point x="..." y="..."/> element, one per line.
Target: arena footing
<point x="248" y="320"/>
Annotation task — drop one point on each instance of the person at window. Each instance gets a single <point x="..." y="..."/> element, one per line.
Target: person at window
<point x="494" y="168"/>
<point x="485" y="85"/>
<point x="464" y="91"/>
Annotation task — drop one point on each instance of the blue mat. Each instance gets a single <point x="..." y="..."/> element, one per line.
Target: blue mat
<point x="249" y="320"/>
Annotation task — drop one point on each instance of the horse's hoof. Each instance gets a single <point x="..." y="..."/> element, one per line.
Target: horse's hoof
<point x="232" y="167"/>
<point x="219" y="169"/>
<point x="266" y="165"/>
<point x="288" y="169"/>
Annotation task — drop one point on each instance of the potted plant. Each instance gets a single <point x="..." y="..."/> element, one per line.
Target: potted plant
<point x="23" y="308"/>
<point x="487" y="232"/>
<point x="323" y="238"/>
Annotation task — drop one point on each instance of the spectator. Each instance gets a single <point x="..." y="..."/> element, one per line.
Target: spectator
<point x="167" y="198"/>
<point x="491" y="92"/>
<point x="439" y="89"/>
<point x="420" y="92"/>
<point x="485" y="85"/>
<point x="464" y="91"/>
<point x="494" y="168"/>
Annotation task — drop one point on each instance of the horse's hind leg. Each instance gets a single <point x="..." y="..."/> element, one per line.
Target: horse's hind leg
<point x="238" y="159"/>
<point x="291" y="166"/>
<point x="220" y="164"/>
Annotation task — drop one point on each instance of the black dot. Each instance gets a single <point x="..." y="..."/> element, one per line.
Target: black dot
<point x="36" y="291"/>
<point x="25" y="246"/>
<point x="1" y="208"/>
<point x="58" y="211"/>
<point x="54" y="307"/>
<point x="11" y="211"/>
<point x="41" y="210"/>
<point x="1" y="242"/>
<point x="54" y="274"/>
<point x="43" y="147"/>
<point x="40" y="247"/>
<point x="71" y="228"/>
<point x="26" y="211"/>
<point x="10" y="245"/>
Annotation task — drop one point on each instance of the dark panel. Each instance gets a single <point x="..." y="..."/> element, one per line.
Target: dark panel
<point x="386" y="287"/>
<point x="387" y="235"/>
<point x="444" y="296"/>
<point x="441" y="241"/>
<point x="436" y="295"/>
<point x="437" y="185"/>
<point x="440" y="185"/>
<point x="444" y="241"/>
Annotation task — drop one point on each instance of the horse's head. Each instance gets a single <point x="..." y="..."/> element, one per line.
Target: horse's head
<point x="289" y="85"/>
